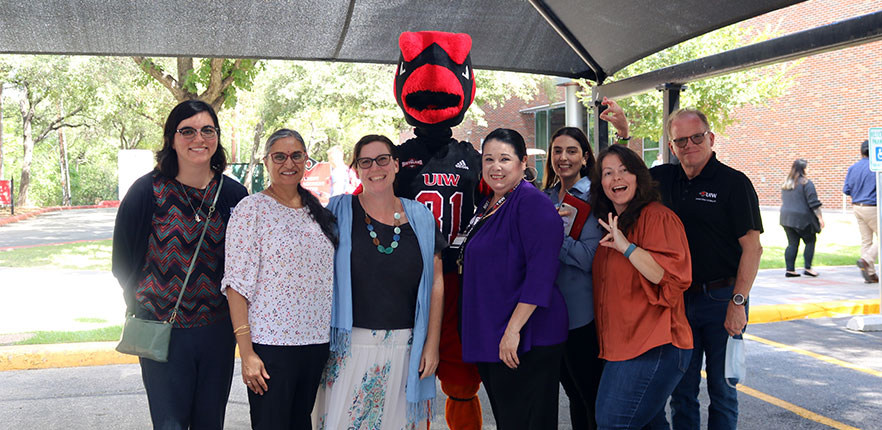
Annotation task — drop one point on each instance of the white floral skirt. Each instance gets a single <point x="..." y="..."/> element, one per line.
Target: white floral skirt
<point x="365" y="389"/>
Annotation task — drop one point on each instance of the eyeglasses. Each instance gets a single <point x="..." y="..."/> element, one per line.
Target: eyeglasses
<point x="208" y="132"/>
<point x="696" y="139"/>
<point x="280" y="157"/>
<point x="381" y="160"/>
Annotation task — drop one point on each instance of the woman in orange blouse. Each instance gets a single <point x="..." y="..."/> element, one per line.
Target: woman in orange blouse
<point x="640" y="271"/>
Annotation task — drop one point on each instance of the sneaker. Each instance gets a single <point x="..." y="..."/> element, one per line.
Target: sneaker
<point x="865" y="271"/>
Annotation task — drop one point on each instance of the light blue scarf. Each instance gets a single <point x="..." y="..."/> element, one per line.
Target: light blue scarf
<point x="419" y="393"/>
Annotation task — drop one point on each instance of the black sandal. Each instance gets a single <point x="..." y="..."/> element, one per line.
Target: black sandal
<point x="791" y="274"/>
<point x="810" y="272"/>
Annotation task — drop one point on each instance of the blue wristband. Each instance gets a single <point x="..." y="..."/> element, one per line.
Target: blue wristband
<point x="630" y="249"/>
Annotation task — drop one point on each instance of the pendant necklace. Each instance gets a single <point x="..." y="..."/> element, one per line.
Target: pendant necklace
<point x="395" y="237"/>
<point x="187" y="196"/>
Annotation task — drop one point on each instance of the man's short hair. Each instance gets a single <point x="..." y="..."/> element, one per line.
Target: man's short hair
<point x="865" y="148"/>
<point x="682" y="112"/>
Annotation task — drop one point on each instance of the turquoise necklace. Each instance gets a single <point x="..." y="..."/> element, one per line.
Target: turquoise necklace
<point x="395" y="237"/>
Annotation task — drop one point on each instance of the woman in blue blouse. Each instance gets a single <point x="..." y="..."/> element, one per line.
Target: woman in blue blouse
<point x="514" y="320"/>
<point x="566" y="172"/>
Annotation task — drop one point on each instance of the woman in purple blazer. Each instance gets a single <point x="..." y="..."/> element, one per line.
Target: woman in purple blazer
<point x="514" y="320"/>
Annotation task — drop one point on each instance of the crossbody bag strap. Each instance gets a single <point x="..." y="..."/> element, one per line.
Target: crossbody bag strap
<point x="196" y="253"/>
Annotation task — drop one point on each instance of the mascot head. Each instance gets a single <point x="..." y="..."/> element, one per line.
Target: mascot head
<point x="434" y="82"/>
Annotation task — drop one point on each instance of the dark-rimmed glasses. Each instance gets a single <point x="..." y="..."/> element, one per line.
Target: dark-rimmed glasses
<point x="280" y="157"/>
<point x="366" y="163"/>
<point x="696" y="139"/>
<point x="208" y="132"/>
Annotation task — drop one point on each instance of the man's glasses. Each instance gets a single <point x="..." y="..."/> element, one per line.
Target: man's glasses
<point x="381" y="160"/>
<point x="280" y="157"/>
<point x="696" y="139"/>
<point x="208" y="132"/>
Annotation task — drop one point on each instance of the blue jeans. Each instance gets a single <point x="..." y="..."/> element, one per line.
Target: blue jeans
<point x="706" y="312"/>
<point x="633" y="393"/>
<point x="191" y="390"/>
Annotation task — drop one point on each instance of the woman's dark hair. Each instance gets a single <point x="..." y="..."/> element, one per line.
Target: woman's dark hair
<point x="356" y="150"/>
<point x="319" y="213"/>
<point x="509" y="136"/>
<point x="167" y="158"/>
<point x="797" y="174"/>
<point x="575" y="133"/>
<point x="645" y="193"/>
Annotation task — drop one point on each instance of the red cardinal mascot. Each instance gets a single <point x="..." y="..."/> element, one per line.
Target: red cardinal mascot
<point x="434" y="85"/>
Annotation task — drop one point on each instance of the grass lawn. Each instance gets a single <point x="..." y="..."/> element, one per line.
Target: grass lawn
<point x="93" y="255"/>
<point x="96" y="335"/>
<point x="773" y="257"/>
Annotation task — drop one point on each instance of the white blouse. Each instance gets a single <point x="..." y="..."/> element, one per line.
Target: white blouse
<point x="281" y="262"/>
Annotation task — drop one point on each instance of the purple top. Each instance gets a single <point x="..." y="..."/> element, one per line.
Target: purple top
<point x="513" y="258"/>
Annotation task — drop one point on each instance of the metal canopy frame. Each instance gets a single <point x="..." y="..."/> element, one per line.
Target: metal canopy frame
<point x="843" y="34"/>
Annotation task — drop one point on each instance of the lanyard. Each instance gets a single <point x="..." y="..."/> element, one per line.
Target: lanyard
<point x="480" y="216"/>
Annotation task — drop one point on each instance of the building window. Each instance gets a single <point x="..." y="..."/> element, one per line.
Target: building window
<point x="651" y="152"/>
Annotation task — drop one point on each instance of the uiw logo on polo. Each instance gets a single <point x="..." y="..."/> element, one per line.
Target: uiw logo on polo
<point x="707" y="196"/>
<point x="440" y="179"/>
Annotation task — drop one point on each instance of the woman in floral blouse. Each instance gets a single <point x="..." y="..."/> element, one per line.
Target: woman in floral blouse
<point x="279" y="279"/>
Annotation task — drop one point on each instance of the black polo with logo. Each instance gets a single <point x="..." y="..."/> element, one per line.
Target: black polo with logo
<point x="716" y="207"/>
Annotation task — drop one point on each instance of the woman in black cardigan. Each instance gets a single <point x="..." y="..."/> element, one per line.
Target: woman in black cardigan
<point x="800" y="217"/>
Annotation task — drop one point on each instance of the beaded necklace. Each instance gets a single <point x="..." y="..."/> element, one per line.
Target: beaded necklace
<point x="395" y="237"/>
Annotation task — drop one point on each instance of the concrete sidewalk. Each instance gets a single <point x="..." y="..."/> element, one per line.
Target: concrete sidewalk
<point x="838" y="291"/>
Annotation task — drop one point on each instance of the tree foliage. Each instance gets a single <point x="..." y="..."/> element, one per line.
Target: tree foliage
<point x="716" y="97"/>
<point x="212" y="80"/>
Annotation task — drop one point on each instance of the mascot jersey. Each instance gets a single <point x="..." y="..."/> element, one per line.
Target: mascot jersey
<point x="435" y="85"/>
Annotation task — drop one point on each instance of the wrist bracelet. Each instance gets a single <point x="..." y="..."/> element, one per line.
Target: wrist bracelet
<point x="622" y="139"/>
<point x="630" y="249"/>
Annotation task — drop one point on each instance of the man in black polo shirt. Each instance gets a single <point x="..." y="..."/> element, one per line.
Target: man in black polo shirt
<point x="720" y="212"/>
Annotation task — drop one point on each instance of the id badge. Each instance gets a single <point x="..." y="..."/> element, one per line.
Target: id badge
<point x="458" y="241"/>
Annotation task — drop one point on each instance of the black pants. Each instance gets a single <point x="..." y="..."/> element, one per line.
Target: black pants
<point x="580" y="373"/>
<point x="190" y="391"/>
<point x="294" y="376"/>
<point x="526" y="397"/>
<point x="793" y="236"/>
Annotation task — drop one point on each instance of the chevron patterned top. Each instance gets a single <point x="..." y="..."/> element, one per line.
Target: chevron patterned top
<point x="170" y="248"/>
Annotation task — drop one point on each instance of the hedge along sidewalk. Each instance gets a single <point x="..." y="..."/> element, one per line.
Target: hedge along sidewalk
<point x="24" y="216"/>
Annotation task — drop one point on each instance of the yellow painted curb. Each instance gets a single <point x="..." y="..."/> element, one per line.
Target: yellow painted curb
<point x="25" y="357"/>
<point x="774" y="313"/>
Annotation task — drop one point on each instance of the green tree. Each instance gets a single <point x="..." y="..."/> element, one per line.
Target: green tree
<point x="43" y="83"/>
<point x="212" y="80"/>
<point x="717" y="97"/>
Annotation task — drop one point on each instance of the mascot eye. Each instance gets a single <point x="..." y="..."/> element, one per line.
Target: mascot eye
<point x="465" y="74"/>
<point x="401" y="69"/>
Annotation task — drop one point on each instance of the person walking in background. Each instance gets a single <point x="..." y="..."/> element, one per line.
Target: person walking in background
<point x="720" y="211"/>
<point x="279" y="287"/>
<point x="860" y="184"/>
<point x="800" y="217"/>
<point x="155" y="237"/>
<point x="640" y="272"/>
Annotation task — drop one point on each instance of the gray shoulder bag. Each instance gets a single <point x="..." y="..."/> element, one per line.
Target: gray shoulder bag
<point x="150" y="339"/>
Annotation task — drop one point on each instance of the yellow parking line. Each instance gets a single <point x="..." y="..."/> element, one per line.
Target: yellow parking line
<point x="805" y="413"/>
<point x="773" y="313"/>
<point x="821" y="357"/>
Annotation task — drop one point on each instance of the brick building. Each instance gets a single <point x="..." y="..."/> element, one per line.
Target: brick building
<point x="823" y="118"/>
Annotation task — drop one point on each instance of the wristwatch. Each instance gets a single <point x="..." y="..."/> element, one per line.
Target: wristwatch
<point x="739" y="299"/>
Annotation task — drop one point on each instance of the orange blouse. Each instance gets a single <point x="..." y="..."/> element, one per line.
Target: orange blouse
<point x="634" y="315"/>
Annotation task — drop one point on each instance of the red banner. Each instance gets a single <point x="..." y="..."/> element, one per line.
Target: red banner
<point x="5" y="192"/>
<point x="317" y="179"/>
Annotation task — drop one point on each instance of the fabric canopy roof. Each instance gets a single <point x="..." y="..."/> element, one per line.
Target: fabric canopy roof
<point x="571" y="38"/>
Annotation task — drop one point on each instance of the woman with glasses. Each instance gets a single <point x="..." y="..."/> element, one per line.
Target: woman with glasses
<point x="278" y="281"/>
<point x="156" y="235"/>
<point x="388" y="299"/>
<point x="641" y="270"/>
<point x="800" y="217"/>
